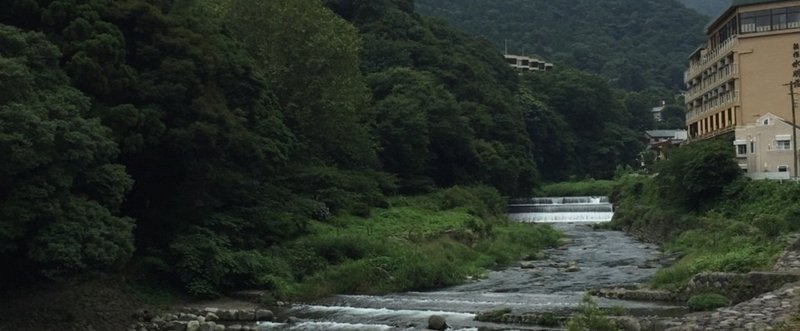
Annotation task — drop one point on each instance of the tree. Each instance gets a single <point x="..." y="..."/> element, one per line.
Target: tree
<point x="59" y="186"/>
<point x="595" y="115"/>
<point x="673" y="117"/>
<point x="696" y="174"/>
<point x="553" y="141"/>
<point x="311" y="60"/>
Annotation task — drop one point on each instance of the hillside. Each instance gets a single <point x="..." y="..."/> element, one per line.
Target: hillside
<point x="710" y="8"/>
<point x="636" y="44"/>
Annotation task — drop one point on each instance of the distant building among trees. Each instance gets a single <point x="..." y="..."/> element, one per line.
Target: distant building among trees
<point x="527" y="63"/>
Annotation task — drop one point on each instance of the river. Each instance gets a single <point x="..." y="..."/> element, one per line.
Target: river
<point x="604" y="259"/>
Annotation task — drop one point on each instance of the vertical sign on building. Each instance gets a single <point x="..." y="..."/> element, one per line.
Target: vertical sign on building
<point x="796" y="65"/>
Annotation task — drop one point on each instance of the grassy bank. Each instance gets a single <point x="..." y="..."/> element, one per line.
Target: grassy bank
<point x="739" y="229"/>
<point x="417" y="243"/>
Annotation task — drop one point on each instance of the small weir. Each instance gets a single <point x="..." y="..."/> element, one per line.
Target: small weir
<point x="561" y="210"/>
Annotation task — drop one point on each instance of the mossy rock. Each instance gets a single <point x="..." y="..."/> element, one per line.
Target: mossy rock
<point x="708" y="301"/>
<point x="493" y="315"/>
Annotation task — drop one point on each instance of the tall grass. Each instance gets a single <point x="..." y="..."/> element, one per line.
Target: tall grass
<point x="418" y="243"/>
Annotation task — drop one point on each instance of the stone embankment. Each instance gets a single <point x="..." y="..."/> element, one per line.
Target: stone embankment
<point x="755" y="311"/>
<point x="763" y="300"/>
<point x="789" y="261"/>
<point x="767" y="311"/>
<point x="208" y="319"/>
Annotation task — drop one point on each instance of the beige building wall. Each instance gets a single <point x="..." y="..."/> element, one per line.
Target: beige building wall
<point x="735" y="81"/>
<point x="765" y="66"/>
<point x="764" y="156"/>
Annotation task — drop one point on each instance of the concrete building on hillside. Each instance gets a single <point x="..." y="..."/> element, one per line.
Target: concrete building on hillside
<point x="658" y="112"/>
<point x="741" y="73"/>
<point x="527" y="63"/>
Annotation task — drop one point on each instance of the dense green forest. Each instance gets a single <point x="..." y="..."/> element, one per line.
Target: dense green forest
<point x="635" y="43"/>
<point x="207" y="143"/>
<point x="710" y="8"/>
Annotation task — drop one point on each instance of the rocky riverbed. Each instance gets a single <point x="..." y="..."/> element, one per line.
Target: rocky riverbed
<point x="549" y="284"/>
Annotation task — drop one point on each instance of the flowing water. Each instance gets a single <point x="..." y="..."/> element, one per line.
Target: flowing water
<point x="605" y="259"/>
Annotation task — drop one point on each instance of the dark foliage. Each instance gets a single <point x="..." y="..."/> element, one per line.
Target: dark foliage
<point x="634" y="43"/>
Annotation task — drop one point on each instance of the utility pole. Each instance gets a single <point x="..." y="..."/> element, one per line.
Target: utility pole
<point x="794" y="128"/>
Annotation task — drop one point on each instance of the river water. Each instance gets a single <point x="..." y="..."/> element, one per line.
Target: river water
<point x="605" y="259"/>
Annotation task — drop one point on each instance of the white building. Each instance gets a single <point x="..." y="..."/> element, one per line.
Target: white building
<point x="526" y="63"/>
<point x="764" y="148"/>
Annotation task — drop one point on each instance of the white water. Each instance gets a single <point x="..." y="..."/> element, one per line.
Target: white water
<point x="561" y="210"/>
<point x="606" y="259"/>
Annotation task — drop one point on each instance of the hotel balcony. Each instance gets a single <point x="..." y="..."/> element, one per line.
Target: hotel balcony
<point x="725" y="100"/>
<point x="698" y="65"/>
<point x="713" y="81"/>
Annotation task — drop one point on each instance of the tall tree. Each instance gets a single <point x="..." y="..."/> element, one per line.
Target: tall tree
<point x="60" y="188"/>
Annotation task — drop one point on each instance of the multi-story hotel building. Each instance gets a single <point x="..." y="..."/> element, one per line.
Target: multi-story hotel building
<point x="742" y="72"/>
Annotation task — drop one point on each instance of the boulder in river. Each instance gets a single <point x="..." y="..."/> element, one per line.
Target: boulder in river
<point x="264" y="315"/>
<point x="437" y="322"/>
<point x="527" y="265"/>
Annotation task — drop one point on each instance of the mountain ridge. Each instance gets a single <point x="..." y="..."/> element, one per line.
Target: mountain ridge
<point x="710" y="8"/>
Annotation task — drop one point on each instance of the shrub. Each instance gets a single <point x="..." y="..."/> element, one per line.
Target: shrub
<point x="708" y="301"/>
<point x="672" y="277"/>
<point x="589" y="187"/>
<point x="771" y="225"/>
<point x="493" y="315"/>
<point x="481" y="201"/>
<point x="792" y="218"/>
<point x="589" y="317"/>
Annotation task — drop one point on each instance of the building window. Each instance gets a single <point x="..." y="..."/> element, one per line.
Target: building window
<point x="783" y="145"/>
<point x="741" y="150"/>
<point x="752" y="147"/>
<point x="783" y="168"/>
<point x="793" y="18"/>
<point x="770" y="20"/>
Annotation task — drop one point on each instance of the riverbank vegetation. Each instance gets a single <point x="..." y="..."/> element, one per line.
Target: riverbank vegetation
<point x="589" y="187"/>
<point x="701" y="208"/>
<point x="225" y="145"/>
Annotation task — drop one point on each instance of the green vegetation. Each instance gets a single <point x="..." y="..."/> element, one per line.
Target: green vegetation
<point x="709" y="301"/>
<point x="590" y="317"/>
<point x="493" y="315"/>
<point x="224" y="145"/>
<point x="704" y="211"/>
<point x="418" y="243"/>
<point x="582" y="188"/>
<point x="620" y="40"/>
<point x="579" y="125"/>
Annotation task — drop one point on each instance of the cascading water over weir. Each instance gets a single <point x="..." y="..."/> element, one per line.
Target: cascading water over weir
<point x="561" y="210"/>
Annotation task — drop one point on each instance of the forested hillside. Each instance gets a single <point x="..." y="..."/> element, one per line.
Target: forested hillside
<point x="710" y="8"/>
<point x="200" y="141"/>
<point x="634" y="43"/>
